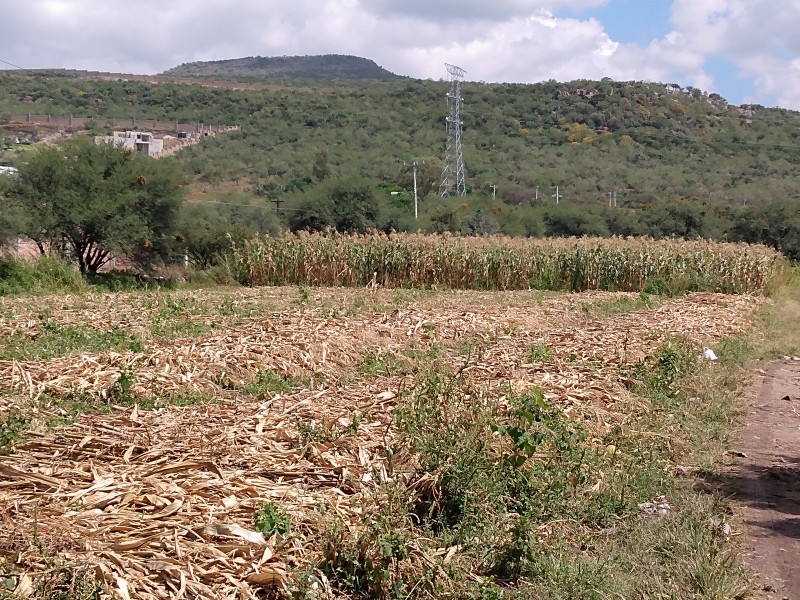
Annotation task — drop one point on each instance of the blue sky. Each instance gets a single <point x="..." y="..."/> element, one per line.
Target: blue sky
<point x="746" y="50"/>
<point x="632" y="21"/>
<point x="641" y="21"/>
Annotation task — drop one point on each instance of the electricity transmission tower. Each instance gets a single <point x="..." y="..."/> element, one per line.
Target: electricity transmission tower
<point x="453" y="178"/>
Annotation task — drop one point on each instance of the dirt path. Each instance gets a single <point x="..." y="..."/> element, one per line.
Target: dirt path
<point x="766" y="479"/>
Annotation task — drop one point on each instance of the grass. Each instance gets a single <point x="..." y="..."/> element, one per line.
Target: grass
<point x="379" y="364"/>
<point x="270" y="383"/>
<point x="538" y="353"/>
<point x="52" y="275"/>
<point x="46" y="275"/>
<point x="621" y="305"/>
<point x="55" y="412"/>
<point x="12" y="427"/>
<point x="59" y="340"/>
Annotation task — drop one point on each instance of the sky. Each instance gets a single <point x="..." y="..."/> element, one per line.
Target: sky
<point x="748" y="51"/>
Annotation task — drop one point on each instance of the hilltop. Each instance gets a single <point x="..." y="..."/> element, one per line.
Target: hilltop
<point x="320" y="67"/>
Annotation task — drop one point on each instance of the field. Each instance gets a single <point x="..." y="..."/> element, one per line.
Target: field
<point x="367" y="443"/>
<point x="670" y="266"/>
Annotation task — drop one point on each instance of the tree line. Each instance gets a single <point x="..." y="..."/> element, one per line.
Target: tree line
<point x="90" y="202"/>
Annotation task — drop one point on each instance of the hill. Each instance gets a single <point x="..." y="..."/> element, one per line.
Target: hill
<point x="689" y="158"/>
<point x="646" y="141"/>
<point x="324" y="67"/>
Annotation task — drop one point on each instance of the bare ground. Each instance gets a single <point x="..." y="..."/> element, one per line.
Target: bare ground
<point x="765" y="479"/>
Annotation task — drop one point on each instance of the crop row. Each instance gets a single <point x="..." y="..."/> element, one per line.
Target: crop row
<point x="503" y="263"/>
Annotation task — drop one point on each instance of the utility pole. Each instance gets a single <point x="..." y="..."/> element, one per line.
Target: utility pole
<point x="536" y="197"/>
<point x="277" y="202"/>
<point x="557" y="195"/>
<point x="416" y="202"/>
<point x="494" y="191"/>
<point x="416" y="212"/>
<point x="612" y="199"/>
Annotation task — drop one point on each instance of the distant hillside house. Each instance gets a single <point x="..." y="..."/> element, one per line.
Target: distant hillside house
<point x="140" y="141"/>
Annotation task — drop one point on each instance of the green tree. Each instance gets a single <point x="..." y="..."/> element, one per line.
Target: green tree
<point x="10" y="214"/>
<point x="775" y="224"/>
<point x="209" y="230"/>
<point x="686" y="218"/>
<point x="95" y="200"/>
<point x="568" y="220"/>
<point x="429" y="170"/>
<point x="348" y="204"/>
<point x="322" y="166"/>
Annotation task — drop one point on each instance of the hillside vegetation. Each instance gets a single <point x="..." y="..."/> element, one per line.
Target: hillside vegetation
<point x="631" y="137"/>
<point x="681" y="162"/>
<point x="329" y="66"/>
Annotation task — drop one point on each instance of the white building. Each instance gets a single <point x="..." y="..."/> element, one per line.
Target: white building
<point x="140" y="141"/>
<point x="7" y="170"/>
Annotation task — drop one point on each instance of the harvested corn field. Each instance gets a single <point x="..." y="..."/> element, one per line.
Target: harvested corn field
<point x="400" y="450"/>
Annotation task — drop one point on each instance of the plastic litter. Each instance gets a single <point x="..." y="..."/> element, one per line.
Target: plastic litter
<point x="708" y="354"/>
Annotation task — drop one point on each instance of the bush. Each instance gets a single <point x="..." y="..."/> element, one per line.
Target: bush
<point x="46" y="275"/>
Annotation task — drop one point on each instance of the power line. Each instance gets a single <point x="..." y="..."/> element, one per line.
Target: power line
<point x="10" y="64"/>
<point x="243" y="205"/>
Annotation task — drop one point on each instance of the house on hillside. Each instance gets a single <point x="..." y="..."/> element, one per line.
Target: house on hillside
<point x="140" y="141"/>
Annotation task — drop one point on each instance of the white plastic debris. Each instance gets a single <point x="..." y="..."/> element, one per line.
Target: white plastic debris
<point x="650" y="509"/>
<point x="721" y="528"/>
<point x="708" y="354"/>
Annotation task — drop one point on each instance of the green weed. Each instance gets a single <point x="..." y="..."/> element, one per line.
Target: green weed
<point x="379" y="364"/>
<point x="270" y="383"/>
<point x="46" y="275"/>
<point x="12" y="427"/>
<point x="269" y="519"/>
<point x="539" y="353"/>
<point x="366" y="563"/>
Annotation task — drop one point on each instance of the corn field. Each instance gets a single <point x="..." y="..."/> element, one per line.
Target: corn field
<point x="505" y="263"/>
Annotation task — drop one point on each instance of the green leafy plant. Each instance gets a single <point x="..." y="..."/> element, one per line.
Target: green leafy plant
<point x="366" y="565"/>
<point x="270" y="519"/>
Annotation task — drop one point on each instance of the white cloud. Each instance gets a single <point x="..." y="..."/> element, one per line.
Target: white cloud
<point x="500" y="40"/>
<point x="460" y="10"/>
<point x="758" y="36"/>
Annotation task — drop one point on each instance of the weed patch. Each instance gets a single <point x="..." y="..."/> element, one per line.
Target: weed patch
<point x="57" y="340"/>
<point x="270" y="383"/>
<point x="12" y="427"/>
<point x="379" y="364"/>
<point x="538" y="353"/>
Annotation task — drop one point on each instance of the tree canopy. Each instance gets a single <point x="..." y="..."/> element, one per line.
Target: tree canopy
<point x="347" y="204"/>
<point x="90" y="201"/>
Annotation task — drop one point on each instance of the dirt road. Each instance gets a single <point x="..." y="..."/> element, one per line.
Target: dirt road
<point x="765" y="480"/>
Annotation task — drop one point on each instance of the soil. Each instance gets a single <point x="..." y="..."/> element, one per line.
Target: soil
<point x="765" y="479"/>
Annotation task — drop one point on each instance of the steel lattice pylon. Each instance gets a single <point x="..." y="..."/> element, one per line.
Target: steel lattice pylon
<point x="453" y="177"/>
